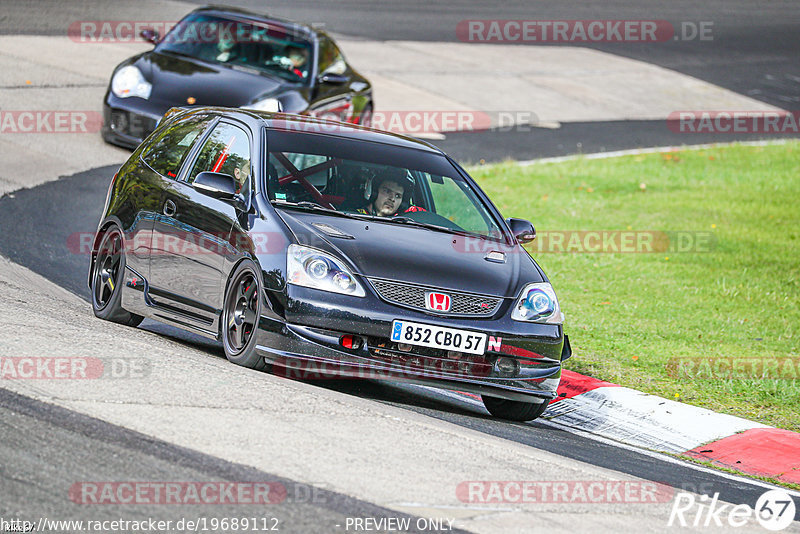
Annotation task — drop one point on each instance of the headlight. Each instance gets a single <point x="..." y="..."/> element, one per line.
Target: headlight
<point x="538" y="303"/>
<point x="268" y="104"/>
<point x="128" y="81"/>
<point x="310" y="267"/>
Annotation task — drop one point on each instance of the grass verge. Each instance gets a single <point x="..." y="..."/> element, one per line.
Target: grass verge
<point x="665" y="320"/>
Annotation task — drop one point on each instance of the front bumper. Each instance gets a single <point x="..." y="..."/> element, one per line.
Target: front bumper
<point x="128" y="121"/>
<point x="306" y="344"/>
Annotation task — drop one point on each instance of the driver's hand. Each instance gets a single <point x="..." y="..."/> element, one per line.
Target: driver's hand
<point x="283" y="61"/>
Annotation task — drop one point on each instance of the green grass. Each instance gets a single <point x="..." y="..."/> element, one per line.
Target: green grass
<point x="628" y="314"/>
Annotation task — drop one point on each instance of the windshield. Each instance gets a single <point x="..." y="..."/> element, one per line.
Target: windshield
<point x="325" y="179"/>
<point x="268" y="47"/>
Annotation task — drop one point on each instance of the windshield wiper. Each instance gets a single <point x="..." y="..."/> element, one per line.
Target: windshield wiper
<point x="456" y="231"/>
<point x="314" y="206"/>
<point x="178" y="53"/>
<point x="412" y="222"/>
<point x="306" y="204"/>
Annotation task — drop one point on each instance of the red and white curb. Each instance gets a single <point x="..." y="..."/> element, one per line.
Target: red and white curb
<point x="643" y="420"/>
<point x="649" y="422"/>
<point x="639" y="419"/>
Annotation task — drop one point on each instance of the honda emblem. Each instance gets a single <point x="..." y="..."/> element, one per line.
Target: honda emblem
<point x="437" y="301"/>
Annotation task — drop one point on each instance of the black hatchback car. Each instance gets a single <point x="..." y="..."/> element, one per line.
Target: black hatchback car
<point x="230" y="57"/>
<point x="320" y="248"/>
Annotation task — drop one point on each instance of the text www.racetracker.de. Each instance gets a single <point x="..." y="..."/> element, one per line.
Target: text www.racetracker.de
<point x="200" y="524"/>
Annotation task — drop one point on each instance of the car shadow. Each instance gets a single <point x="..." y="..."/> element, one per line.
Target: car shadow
<point x="400" y="394"/>
<point x="431" y="402"/>
<point x="184" y="337"/>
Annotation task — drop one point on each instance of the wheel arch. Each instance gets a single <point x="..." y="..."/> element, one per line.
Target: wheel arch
<point x="98" y="237"/>
<point x="267" y="301"/>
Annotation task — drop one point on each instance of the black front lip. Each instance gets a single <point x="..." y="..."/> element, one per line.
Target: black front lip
<point x="306" y="345"/>
<point x="132" y="105"/>
<point x="300" y="354"/>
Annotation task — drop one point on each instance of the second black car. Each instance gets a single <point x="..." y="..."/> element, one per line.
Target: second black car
<point x="234" y="58"/>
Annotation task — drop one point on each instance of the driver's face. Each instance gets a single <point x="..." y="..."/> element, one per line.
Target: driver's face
<point x="298" y="57"/>
<point x="390" y="195"/>
<point x="225" y="45"/>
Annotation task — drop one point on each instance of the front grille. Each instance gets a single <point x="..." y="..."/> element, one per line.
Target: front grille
<point x="141" y="126"/>
<point x="412" y="296"/>
<point x="132" y="124"/>
<point x="421" y="361"/>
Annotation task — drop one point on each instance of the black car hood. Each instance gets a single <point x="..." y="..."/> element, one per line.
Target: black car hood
<point x="175" y="79"/>
<point x="416" y="255"/>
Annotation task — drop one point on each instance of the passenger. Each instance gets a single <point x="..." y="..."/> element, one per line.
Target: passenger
<point x="241" y="174"/>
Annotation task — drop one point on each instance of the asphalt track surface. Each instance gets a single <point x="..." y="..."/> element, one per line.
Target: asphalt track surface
<point x="46" y="449"/>
<point x="40" y="243"/>
<point x="754" y="52"/>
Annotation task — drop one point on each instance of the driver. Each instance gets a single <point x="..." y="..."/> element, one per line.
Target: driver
<point x="385" y="199"/>
<point x="227" y="50"/>
<point x="297" y="55"/>
<point x="295" y="59"/>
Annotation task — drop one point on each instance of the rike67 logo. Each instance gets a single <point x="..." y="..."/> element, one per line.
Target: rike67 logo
<point x="774" y="510"/>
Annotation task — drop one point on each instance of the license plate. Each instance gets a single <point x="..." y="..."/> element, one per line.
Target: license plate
<point x="438" y="337"/>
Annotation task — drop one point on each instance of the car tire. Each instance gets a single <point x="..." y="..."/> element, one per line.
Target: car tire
<point x="240" y="315"/>
<point x="513" y="410"/>
<point x="108" y="272"/>
<point x="365" y="119"/>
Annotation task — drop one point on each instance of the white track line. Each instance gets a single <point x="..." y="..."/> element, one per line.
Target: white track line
<point x="653" y="150"/>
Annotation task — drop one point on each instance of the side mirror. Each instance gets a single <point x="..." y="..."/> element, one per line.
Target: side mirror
<point x="335" y="79"/>
<point x="150" y="35"/>
<point x="523" y="230"/>
<point x="219" y="185"/>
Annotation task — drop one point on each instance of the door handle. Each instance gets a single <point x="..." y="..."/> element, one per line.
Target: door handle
<point x="169" y="208"/>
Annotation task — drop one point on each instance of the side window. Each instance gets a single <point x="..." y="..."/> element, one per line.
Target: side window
<point x="167" y="152"/>
<point x="227" y="150"/>
<point x="331" y="59"/>
<point x="450" y="203"/>
<point x="293" y="191"/>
